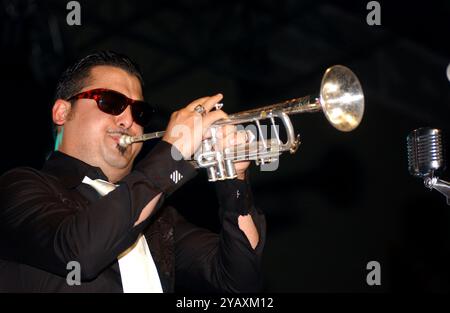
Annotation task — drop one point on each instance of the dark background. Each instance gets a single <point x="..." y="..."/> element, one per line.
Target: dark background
<point x="343" y="199"/>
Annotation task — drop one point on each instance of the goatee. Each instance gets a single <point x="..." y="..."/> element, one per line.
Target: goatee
<point x="121" y="149"/>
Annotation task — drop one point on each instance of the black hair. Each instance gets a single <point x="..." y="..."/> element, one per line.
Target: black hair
<point x="73" y="78"/>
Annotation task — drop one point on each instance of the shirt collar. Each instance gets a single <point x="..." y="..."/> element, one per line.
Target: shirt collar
<point x="69" y="170"/>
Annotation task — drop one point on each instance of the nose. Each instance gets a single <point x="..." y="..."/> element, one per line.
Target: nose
<point x="125" y="119"/>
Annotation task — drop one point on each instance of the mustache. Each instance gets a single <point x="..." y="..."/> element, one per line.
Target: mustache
<point x="118" y="132"/>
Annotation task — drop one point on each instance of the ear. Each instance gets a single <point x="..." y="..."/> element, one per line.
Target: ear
<point x="60" y="111"/>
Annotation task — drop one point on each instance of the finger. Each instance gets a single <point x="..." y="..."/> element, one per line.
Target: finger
<point x="222" y="135"/>
<point x="221" y="132"/>
<point x="237" y="138"/>
<point x="212" y="117"/>
<point x="228" y="129"/>
<point x="231" y="139"/>
<point x="204" y="102"/>
<point x="210" y="103"/>
<point x="191" y="106"/>
<point x="207" y="134"/>
<point x="224" y="130"/>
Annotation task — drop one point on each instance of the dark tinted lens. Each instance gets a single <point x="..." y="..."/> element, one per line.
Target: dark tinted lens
<point x="111" y="102"/>
<point x="142" y="112"/>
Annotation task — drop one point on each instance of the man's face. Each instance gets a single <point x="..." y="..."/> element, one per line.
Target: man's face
<point x="92" y="135"/>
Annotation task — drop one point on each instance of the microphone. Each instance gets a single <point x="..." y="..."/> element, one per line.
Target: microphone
<point x="425" y="152"/>
<point x="426" y="158"/>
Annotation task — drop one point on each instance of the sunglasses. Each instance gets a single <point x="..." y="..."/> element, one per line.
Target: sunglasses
<point x="114" y="103"/>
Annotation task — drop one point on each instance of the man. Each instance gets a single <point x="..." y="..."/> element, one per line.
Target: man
<point x="124" y="239"/>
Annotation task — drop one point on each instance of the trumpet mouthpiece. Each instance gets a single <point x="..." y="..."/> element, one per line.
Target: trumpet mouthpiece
<point x="125" y="141"/>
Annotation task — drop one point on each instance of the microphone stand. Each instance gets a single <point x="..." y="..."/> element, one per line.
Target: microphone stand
<point x="440" y="185"/>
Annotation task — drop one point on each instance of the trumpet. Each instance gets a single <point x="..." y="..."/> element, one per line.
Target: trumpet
<point x="341" y="99"/>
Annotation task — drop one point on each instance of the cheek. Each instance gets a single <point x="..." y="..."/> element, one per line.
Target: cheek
<point x="136" y="129"/>
<point x="93" y="124"/>
<point x="136" y="149"/>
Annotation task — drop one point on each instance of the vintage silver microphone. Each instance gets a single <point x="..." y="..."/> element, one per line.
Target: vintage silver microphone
<point x="426" y="158"/>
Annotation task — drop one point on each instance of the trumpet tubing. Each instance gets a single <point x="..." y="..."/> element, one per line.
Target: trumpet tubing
<point x="341" y="99"/>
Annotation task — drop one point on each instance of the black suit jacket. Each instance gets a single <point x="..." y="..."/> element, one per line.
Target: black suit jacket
<point x="49" y="218"/>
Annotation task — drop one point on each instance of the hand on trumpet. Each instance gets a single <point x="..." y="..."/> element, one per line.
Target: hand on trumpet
<point x="188" y="126"/>
<point x="228" y="136"/>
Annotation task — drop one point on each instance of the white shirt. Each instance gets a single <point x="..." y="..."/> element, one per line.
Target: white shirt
<point x="137" y="268"/>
